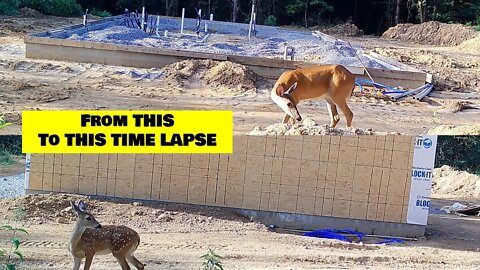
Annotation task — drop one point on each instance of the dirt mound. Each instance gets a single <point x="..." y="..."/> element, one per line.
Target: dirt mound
<point x="344" y="29"/>
<point x="455" y="130"/>
<point x="46" y="207"/>
<point x="457" y="106"/>
<point x="432" y="33"/>
<point x="310" y="127"/>
<point x="451" y="73"/>
<point x="228" y="74"/>
<point x="448" y="182"/>
<point x="55" y="208"/>
<point x="470" y="46"/>
<point x="31" y="13"/>
<point x="226" y="77"/>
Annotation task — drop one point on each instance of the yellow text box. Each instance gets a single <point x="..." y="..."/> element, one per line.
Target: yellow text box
<point x="110" y="132"/>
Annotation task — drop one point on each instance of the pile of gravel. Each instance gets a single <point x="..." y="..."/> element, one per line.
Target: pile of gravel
<point x="309" y="127"/>
<point x="12" y="186"/>
<point x="232" y="39"/>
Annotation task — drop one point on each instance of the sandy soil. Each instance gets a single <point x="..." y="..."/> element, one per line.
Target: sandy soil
<point x="35" y="84"/>
<point x="175" y="236"/>
<point x="450" y="183"/>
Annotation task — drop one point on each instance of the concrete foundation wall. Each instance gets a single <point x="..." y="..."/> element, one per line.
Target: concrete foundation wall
<point x="353" y="177"/>
<point x="53" y="45"/>
<point x="311" y="223"/>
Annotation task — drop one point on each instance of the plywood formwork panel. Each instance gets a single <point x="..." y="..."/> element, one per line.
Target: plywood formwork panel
<point x="358" y="177"/>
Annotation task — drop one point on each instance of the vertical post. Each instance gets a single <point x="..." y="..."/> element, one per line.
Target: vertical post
<point x="254" y="24"/>
<point x="183" y="19"/>
<point x="85" y="18"/>
<point x="211" y="17"/>
<point x="158" y="24"/>
<point x="27" y="171"/>
<point x="206" y="27"/>
<point x="251" y="21"/>
<point x="143" y="18"/>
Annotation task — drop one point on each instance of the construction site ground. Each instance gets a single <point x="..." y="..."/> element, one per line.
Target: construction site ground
<point x="174" y="236"/>
<point x="29" y="84"/>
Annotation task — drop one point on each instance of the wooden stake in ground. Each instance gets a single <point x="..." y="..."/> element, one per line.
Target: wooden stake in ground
<point x="183" y="19"/>
<point x="361" y="62"/>
<point x="251" y="22"/>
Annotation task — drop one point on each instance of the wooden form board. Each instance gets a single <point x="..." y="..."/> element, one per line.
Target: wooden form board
<point x="357" y="177"/>
<point x="39" y="46"/>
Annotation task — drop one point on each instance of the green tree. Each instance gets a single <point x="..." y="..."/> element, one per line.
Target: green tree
<point x="303" y="6"/>
<point x="271" y="20"/>
<point x="61" y="8"/>
<point x="9" y="7"/>
<point x="459" y="152"/>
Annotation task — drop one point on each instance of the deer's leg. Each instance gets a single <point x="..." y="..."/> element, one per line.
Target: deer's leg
<point x="346" y="110"/>
<point x="135" y="262"/>
<point x="122" y="261"/>
<point x="76" y="263"/>
<point x="88" y="261"/>
<point x="286" y="118"/>
<point x="332" y="111"/>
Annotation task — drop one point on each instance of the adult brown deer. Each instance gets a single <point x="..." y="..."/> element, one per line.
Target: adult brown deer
<point x="333" y="82"/>
<point x="89" y="238"/>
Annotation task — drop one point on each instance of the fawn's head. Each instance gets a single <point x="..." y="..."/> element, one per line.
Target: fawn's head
<point x="84" y="218"/>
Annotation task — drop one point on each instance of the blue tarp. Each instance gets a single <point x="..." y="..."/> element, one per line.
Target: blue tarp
<point x="340" y="235"/>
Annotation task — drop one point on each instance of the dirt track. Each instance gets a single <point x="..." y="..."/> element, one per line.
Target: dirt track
<point x="37" y="84"/>
<point x="175" y="236"/>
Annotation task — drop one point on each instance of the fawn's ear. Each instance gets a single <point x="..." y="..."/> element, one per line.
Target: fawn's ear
<point x="82" y="206"/>
<point x="280" y="90"/>
<point x="74" y="207"/>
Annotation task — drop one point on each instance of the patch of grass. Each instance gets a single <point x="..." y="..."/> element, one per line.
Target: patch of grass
<point x="6" y="159"/>
<point x="101" y="13"/>
<point x="3" y="121"/>
<point x="19" y="213"/>
<point x="477" y="28"/>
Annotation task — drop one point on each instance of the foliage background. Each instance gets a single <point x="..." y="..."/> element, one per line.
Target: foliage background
<point x="460" y="152"/>
<point x="11" y="144"/>
<point x="372" y="16"/>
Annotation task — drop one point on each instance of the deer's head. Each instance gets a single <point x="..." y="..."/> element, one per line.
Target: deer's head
<point x="285" y="100"/>
<point x="84" y="218"/>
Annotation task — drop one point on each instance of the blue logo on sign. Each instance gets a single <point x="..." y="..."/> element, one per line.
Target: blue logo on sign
<point x="422" y="203"/>
<point x="427" y="143"/>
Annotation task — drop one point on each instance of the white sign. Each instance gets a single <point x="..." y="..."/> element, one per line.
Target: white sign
<point x="422" y="172"/>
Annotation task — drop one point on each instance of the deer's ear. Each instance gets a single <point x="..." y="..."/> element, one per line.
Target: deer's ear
<point x="280" y="90"/>
<point x="291" y="89"/>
